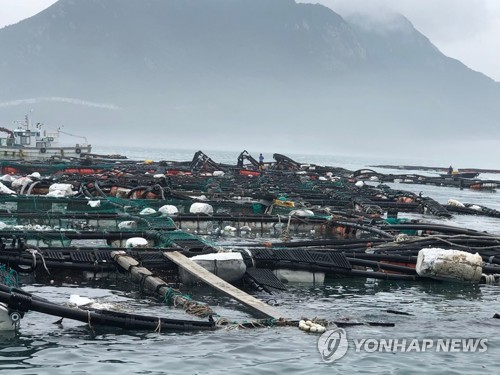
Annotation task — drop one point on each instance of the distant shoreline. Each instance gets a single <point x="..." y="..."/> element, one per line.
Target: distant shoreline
<point x="422" y="168"/>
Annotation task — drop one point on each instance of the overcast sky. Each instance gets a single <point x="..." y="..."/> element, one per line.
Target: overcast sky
<point x="468" y="30"/>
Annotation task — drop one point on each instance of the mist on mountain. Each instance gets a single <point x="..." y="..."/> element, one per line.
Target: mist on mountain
<point x="272" y="75"/>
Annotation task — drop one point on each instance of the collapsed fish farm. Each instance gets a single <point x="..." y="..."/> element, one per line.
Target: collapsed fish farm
<point x="246" y="229"/>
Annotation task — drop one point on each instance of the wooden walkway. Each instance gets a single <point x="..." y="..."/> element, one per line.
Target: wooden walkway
<point x="219" y="284"/>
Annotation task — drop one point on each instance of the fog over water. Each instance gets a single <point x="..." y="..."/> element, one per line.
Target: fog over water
<point x="273" y="76"/>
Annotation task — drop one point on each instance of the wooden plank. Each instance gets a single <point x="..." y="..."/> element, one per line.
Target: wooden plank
<point x="221" y="285"/>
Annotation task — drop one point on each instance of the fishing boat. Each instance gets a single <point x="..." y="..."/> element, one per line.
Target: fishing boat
<point x="29" y="142"/>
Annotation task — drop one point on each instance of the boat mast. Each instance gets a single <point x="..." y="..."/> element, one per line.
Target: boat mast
<point x="27" y="120"/>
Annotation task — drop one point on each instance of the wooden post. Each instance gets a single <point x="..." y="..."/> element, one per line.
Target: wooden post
<point x="157" y="285"/>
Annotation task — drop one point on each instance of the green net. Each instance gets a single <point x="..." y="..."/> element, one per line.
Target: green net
<point x="9" y="277"/>
<point x="37" y="203"/>
<point x="168" y="239"/>
<point x="41" y="239"/>
<point x="156" y="222"/>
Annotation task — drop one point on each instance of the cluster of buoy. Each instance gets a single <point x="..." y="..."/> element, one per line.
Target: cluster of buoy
<point x="30" y="227"/>
<point x="309" y="326"/>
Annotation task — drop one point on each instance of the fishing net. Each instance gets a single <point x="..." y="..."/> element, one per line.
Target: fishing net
<point x="41" y="239"/>
<point x="8" y="277"/>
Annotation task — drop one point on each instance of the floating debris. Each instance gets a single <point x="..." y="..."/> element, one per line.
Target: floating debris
<point x="252" y="225"/>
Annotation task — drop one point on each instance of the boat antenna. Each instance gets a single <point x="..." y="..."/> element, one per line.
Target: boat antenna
<point x="72" y="135"/>
<point x="28" y="119"/>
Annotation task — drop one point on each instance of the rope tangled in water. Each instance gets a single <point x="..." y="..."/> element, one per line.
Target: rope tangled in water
<point x="257" y="323"/>
<point x="176" y="298"/>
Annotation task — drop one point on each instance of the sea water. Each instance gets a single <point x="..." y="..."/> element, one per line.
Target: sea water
<point x="435" y="311"/>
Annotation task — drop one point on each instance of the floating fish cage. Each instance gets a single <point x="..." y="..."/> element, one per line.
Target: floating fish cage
<point x="158" y="223"/>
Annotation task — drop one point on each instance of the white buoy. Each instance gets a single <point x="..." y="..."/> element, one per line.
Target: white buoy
<point x="168" y="210"/>
<point x="94" y="204"/>
<point x="455" y="203"/>
<point x="66" y="189"/>
<point x="135" y="242"/>
<point x="5" y="190"/>
<point x="299" y="276"/>
<point x="201" y="208"/>
<point x="147" y="211"/>
<point x="20" y="181"/>
<point x="229" y="267"/>
<point x="309" y="326"/>
<point x="451" y="265"/>
<point x="129" y="224"/>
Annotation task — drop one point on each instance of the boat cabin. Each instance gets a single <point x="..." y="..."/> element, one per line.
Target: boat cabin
<point x="25" y="136"/>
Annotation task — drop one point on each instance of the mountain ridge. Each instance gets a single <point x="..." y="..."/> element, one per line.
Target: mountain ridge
<point x="184" y="67"/>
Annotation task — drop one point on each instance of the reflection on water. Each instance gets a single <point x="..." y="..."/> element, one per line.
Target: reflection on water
<point x="450" y="291"/>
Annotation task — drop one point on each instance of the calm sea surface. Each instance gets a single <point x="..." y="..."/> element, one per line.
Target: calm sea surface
<point x="439" y="310"/>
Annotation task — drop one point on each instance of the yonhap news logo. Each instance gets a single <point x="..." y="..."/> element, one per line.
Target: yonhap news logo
<point x="333" y="345"/>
